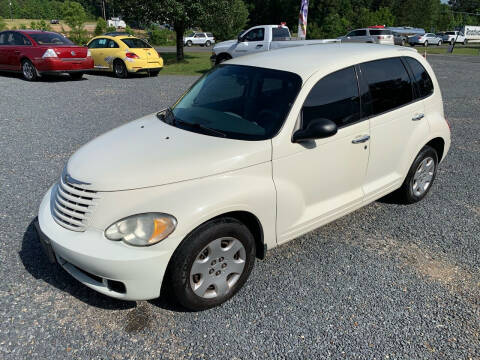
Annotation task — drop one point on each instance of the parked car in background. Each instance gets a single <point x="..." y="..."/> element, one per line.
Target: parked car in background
<point x="124" y="54"/>
<point x="199" y="38"/>
<point x="452" y="37"/>
<point x="425" y="40"/>
<point x="369" y="35"/>
<point x="54" y="21"/>
<point x="258" y="39"/>
<point x="399" y="39"/>
<point x="163" y="199"/>
<point x="35" y="53"/>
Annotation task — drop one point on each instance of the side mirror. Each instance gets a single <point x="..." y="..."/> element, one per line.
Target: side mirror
<point x="239" y="38"/>
<point x="316" y="129"/>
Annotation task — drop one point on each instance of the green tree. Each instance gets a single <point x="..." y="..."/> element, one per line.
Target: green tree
<point x="101" y="26"/>
<point x="181" y="14"/>
<point x="226" y="27"/>
<point x="74" y="15"/>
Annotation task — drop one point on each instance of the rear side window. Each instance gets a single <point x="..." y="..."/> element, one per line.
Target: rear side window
<point x="3" y="38"/>
<point x="422" y="79"/>
<point x="20" y="39"/>
<point x="335" y="97"/>
<point x="388" y="83"/>
<point x="280" y="33"/>
<point x="111" y="44"/>
<point x="380" y="32"/>
<point x="134" y="43"/>
<point x="44" y="38"/>
<point x="357" y="33"/>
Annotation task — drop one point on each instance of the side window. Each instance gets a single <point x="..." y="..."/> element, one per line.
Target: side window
<point x="361" y="33"/>
<point x="102" y="43"/>
<point x="93" y="44"/>
<point x="111" y="44"/>
<point x="21" y="40"/>
<point x="422" y="79"/>
<point x="10" y="39"/>
<point x="255" y="35"/>
<point x="334" y="97"/>
<point x="201" y="35"/>
<point x="388" y="83"/>
<point x="3" y="38"/>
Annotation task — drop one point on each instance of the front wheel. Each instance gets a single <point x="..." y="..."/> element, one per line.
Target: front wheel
<point x="189" y="43"/>
<point x="439" y="43"/>
<point x="212" y="264"/>
<point x="119" y="69"/>
<point x="420" y="177"/>
<point x="465" y="42"/>
<point x="29" y="71"/>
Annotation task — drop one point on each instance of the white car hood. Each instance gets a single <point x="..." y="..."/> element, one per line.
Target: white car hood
<point x="148" y="152"/>
<point x="225" y="44"/>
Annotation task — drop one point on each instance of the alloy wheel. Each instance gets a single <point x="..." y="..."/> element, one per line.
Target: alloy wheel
<point x="28" y="70"/>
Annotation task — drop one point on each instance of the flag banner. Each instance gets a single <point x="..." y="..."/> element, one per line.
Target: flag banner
<point x="302" y="20"/>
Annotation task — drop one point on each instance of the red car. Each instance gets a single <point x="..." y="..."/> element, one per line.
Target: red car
<point x="36" y="52"/>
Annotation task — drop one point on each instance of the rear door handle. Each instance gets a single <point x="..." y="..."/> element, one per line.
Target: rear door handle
<point x="361" y="139"/>
<point x="418" y="117"/>
<point x="17" y="52"/>
<point x="259" y="46"/>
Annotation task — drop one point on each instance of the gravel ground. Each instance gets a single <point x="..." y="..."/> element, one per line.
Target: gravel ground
<point x="387" y="281"/>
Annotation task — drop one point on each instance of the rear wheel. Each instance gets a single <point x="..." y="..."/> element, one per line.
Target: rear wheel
<point x="154" y="73"/>
<point x="76" y="76"/>
<point x="465" y="42"/>
<point x="119" y="69"/>
<point x="439" y="43"/>
<point x="29" y="71"/>
<point x="208" y="43"/>
<point x="189" y="43"/>
<point x="403" y="42"/>
<point x="420" y="177"/>
<point x="212" y="264"/>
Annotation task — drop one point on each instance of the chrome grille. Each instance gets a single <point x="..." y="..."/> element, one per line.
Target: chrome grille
<point x="72" y="204"/>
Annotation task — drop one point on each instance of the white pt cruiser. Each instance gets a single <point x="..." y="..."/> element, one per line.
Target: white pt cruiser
<point x="259" y="151"/>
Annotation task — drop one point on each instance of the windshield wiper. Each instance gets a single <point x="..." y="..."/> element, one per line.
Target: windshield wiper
<point x="174" y="121"/>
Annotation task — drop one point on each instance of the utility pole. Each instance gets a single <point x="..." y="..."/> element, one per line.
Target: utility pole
<point x="11" y="17"/>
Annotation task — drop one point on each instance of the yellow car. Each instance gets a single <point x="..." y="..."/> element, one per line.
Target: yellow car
<point x="124" y="54"/>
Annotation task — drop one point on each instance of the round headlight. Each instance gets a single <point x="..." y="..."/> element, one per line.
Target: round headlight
<point x="142" y="229"/>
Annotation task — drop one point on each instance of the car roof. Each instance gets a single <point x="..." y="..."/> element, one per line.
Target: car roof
<point x="35" y="31"/>
<point x="310" y="59"/>
<point x="116" y="37"/>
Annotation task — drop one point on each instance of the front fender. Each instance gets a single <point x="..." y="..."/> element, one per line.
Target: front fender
<point x="196" y="201"/>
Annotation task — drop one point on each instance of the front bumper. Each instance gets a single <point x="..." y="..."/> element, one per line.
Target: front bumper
<point x="213" y="59"/>
<point x="56" y="65"/>
<point x="110" y="267"/>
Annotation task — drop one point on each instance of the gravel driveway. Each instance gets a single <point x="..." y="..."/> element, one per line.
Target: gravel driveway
<point x="387" y="281"/>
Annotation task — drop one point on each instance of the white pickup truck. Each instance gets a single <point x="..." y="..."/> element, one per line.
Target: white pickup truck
<point x="257" y="39"/>
<point x="467" y="34"/>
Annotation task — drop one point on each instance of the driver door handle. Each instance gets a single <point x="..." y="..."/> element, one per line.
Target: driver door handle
<point x="418" y="117"/>
<point x="361" y="139"/>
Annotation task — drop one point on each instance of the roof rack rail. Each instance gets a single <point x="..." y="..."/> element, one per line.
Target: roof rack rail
<point x="117" y="33"/>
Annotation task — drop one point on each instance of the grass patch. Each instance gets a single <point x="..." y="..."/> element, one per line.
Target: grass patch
<point x="15" y="23"/>
<point x="193" y="64"/>
<point x="458" y="50"/>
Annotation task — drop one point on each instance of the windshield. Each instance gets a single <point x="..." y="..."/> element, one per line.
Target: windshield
<point x="134" y="43"/>
<point x="238" y="102"/>
<point x="50" y="39"/>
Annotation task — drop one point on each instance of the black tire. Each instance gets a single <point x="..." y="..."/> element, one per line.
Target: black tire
<point x="189" y="43"/>
<point x="29" y="71"/>
<point x="412" y="44"/>
<point x="76" y="76"/>
<point x="154" y="73"/>
<point x="208" y="43"/>
<point x="403" y="43"/>
<point x="119" y="69"/>
<point x="178" y="274"/>
<point x="452" y="41"/>
<point x="406" y="193"/>
<point x="465" y="42"/>
<point x="439" y="43"/>
<point x="425" y="43"/>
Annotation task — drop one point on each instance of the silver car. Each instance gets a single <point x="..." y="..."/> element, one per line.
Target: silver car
<point x="425" y="40"/>
<point x="369" y="35"/>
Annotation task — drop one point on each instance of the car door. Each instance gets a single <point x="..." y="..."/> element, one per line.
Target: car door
<point x="320" y="180"/>
<point x="199" y="39"/>
<point x="18" y="51"/>
<point x="110" y="52"/>
<point x="8" y="49"/>
<point x="97" y="49"/>
<point x="397" y="124"/>
<point x="3" y="50"/>
<point x="252" y="42"/>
